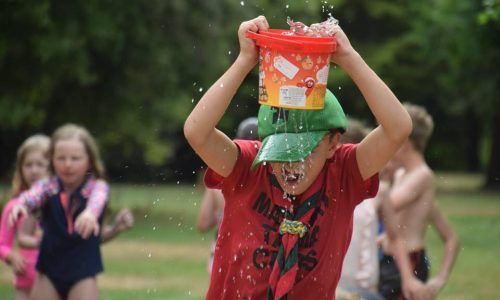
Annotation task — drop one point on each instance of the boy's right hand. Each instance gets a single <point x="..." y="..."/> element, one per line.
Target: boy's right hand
<point x="18" y="210"/>
<point x="248" y="50"/>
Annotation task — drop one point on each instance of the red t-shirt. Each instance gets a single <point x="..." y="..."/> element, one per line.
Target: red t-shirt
<point x="247" y="241"/>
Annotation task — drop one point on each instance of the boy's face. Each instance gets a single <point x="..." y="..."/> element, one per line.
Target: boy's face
<point x="296" y="177"/>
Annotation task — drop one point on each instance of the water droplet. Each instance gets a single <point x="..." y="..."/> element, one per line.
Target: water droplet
<point x="242" y="3"/>
<point x="200" y="90"/>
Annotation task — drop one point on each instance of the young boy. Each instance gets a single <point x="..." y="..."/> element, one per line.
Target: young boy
<point x="360" y="270"/>
<point x="289" y="200"/>
<point x="412" y="195"/>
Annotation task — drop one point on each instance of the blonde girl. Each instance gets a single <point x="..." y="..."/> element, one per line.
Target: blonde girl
<point x="32" y="164"/>
<point x="71" y="204"/>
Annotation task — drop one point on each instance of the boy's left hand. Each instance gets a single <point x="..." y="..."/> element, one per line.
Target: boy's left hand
<point x="86" y="224"/>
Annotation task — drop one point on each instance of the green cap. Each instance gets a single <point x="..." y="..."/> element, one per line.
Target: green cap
<point x="292" y="134"/>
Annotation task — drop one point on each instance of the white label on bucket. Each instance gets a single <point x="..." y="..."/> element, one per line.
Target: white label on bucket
<point x="322" y="75"/>
<point x="292" y="96"/>
<point x="286" y="67"/>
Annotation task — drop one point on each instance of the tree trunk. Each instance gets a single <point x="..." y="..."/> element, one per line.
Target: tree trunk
<point x="473" y="141"/>
<point x="493" y="175"/>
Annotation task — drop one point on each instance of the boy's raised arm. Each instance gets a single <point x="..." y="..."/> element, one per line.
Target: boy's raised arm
<point x="395" y="123"/>
<point x="213" y="146"/>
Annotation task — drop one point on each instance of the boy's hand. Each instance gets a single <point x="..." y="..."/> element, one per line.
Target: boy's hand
<point x="86" y="224"/>
<point x="344" y="49"/>
<point x="18" y="211"/>
<point x="432" y="288"/>
<point x="248" y="50"/>
<point x="413" y="289"/>
<point x="124" y="220"/>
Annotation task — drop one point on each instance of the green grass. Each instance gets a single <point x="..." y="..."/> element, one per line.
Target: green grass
<point x="164" y="257"/>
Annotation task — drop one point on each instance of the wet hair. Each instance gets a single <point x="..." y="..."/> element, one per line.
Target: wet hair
<point x="355" y="133"/>
<point x="70" y="131"/>
<point x="423" y="125"/>
<point x="38" y="142"/>
<point x="247" y="130"/>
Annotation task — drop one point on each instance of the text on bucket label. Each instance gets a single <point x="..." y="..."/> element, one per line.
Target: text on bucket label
<point x="286" y="67"/>
<point x="292" y="96"/>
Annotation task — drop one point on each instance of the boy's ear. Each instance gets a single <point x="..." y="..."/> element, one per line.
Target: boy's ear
<point x="333" y="144"/>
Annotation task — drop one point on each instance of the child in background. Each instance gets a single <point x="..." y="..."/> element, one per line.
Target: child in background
<point x="71" y="203"/>
<point x="412" y="195"/>
<point x="289" y="200"/>
<point x="359" y="277"/>
<point x="360" y="271"/>
<point x="32" y="164"/>
<point x="212" y="203"/>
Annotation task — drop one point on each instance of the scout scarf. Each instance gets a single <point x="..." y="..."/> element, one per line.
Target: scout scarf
<point x="294" y="226"/>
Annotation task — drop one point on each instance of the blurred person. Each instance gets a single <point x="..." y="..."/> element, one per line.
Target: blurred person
<point x="71" y="204"/>
<point x="359" y="275"/>
<point x="412" y="195"/>
<point x="32" y="164"/>
<point x="360" y="270"/>
<point x="212" y="204"/>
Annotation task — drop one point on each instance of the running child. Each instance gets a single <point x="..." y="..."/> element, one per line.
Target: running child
<point x="71" y="204"/>
<point x="412" y="195"/>
<point x="289" y="199"/>
<point x="32" y="164"/>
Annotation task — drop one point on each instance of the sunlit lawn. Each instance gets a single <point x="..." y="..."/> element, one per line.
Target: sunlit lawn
<point x="164" y="257"/>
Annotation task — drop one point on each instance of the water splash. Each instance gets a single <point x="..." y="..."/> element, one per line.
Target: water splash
<point x="326" y="28"/>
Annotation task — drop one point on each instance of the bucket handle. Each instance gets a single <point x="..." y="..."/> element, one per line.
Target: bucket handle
<point x="255" y="36"/>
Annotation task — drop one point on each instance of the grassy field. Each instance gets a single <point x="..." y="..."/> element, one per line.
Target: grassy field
<point x="164" y="257"/>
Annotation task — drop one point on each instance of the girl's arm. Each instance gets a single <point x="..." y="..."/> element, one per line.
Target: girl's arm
<point x="7" y="232"/>
<point x="98" y="197"/>
<point x="212" y="145"/>
<point x="33" y="198"/>
<point x="7" y="235"/>
<point x="87" y="222"/>
<point x="124" y="220"/>
<point x="27" y="236"/>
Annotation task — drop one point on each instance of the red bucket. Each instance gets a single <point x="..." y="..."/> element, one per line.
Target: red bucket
<point x="293" y="70"/>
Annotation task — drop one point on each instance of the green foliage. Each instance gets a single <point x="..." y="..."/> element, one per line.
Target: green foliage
<point x="131" y="72"/>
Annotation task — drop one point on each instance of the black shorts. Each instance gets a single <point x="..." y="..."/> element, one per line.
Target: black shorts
<point x="389" y="285"/>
